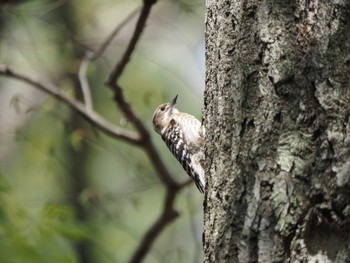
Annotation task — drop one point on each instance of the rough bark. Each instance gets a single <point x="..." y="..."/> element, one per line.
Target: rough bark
<point x="278" y="134"/>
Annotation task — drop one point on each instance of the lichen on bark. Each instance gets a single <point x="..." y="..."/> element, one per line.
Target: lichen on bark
<point x="277" y="118"/>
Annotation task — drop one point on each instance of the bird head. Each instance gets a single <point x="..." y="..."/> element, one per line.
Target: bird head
<point x="163" y="114"/>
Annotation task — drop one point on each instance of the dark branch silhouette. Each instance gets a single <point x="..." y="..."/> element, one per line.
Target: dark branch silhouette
<point x="140" y="25"/>
<point x="141" y="138"/>
<point x="167" y="216"/>
<point x="106" y="43"/>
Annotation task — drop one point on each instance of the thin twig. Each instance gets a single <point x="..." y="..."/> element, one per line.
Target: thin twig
<point x="125" y="106"/>
<point x="91" y="116"/>
<point x="140" y="25"/>
<point x="168" y="214"/>
<point x="143" y="138"/>
<point x="89" y="55"/>
<point x="85" y="87"/>
<point x="108" y="40"/>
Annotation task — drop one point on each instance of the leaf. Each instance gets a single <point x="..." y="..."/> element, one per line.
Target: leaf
<point x="14" y="103"/>
<point x="76" y="139"/>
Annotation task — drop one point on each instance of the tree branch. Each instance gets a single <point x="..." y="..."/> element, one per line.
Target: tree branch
<point x="90" y="115"/>
<point x="166" y="217"/>
<point x="140" y="25"/>
<point x="125" y="106"/>
<point x="168" y="214"/>
<point x="109" y="39"/>
<point x="85" y="88"/>
<point x="142" y="138"/>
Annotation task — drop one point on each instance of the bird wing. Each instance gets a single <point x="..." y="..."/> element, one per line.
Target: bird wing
<point x="185" y="145"/>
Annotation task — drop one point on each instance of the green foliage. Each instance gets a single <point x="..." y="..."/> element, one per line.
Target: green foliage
<point x="46" y="236"/>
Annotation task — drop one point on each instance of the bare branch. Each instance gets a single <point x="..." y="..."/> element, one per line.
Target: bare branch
<point x="85" y="88"/>
<point x="108" y="40"/>
<point x="93" y="55"/>
<point x="166" y="217"/>
<point x="142" y="139"/>
<point x="186" y="183"/>
<point x="140" y="25"/>
<point x="146" y="141"/>
<point x="91" y="116"/>
<point x="125" y="106"/>
<point x="172" y="187"/>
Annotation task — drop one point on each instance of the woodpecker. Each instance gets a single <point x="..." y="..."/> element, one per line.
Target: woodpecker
<point x="184" y="136"/>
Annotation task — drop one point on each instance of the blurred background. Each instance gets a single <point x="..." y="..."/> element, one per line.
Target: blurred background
<point x="69" y="193"/>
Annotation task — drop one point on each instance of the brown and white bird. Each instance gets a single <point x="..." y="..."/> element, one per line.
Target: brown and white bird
<point x="184" y="136"/>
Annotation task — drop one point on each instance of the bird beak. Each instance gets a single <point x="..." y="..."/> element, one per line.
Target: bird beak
<point x="173" y="102"/>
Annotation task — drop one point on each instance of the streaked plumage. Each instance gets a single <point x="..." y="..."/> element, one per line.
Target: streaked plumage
<point x="184" y="136"/>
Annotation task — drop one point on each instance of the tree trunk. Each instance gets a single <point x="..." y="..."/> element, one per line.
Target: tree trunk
<point x="277" y="131"/>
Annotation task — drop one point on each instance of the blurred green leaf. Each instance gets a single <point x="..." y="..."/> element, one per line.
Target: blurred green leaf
<point x="15" y="103"/>
<point x="76" y="139"/>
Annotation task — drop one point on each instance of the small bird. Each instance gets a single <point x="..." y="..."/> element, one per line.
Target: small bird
<point x="184" y="136"/>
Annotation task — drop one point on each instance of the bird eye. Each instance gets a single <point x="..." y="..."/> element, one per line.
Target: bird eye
<point x="162" y="108"/>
